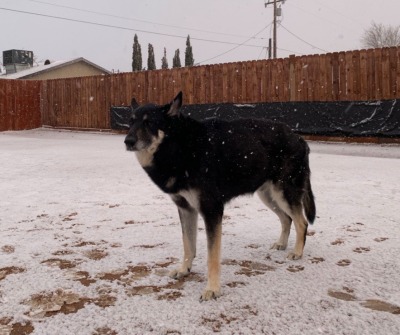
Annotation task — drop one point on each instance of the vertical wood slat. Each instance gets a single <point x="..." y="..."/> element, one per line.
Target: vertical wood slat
<point x="244" y="82"/>
<point x="292" y="78"/>
<point x="335" y="76"/>
<point x="17" y="106"/>
<point x="398" y="73"/>
<point x="273" y="82"/>
<point x="371" y="82"/>
<point x="322" y="89"/>
<point x="342" y="76"/>
<point x="363" y="75"/>
<point x="356" y="75"/>
<point x="232" y="83"/>
<point x="393" y="69"/>
<point x="349" y="75"/>
<point x="263" y="81"/>
<point x="300" y="79"/>
<point x="378" y="73"/>
<point x="249" y="82"/>
<point x="329" y="76"/>
<point x="385" y="74"/>
<point x="225" y="83"/>
<point x="304" y="75"/>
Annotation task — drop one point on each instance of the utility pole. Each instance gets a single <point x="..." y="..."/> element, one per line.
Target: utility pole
<point x="277" y="12"/>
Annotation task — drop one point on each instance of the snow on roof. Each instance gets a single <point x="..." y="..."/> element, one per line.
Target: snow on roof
<point x="54" y="65"/>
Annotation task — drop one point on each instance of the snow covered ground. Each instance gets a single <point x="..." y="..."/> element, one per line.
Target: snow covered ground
<point x="86" y="241"/>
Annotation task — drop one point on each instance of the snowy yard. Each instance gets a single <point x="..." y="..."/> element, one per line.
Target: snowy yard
<point x="86" y="241"/>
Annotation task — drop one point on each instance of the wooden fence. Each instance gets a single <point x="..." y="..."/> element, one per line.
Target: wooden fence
<point x="19" y="105"/>
<point x="343" y="76"/>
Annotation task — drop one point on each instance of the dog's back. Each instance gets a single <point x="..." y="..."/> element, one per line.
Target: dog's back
<point x="245" y="153"/>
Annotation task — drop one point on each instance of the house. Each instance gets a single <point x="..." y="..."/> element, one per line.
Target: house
<point x="78" y="67"/>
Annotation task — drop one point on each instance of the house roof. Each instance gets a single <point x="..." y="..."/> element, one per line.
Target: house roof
<point x="52" y="66"/>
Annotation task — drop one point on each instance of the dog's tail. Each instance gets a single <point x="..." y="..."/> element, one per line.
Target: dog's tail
<point x="308" y="202"/>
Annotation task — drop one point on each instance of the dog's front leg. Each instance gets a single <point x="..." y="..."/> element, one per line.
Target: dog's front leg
<point x="214" y="231"/>
<point x="188" y="217"/>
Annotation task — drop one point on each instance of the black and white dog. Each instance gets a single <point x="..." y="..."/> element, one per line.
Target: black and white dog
<point x="203" y="165"/>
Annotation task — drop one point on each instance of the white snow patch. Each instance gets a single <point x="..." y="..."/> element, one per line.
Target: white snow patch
<point x="81" y="221"/>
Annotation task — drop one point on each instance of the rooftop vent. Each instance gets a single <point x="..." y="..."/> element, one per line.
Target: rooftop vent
<point x="17" y="60"/>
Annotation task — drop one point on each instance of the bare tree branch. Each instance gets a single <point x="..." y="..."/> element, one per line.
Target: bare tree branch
<point x="379" y="36"/>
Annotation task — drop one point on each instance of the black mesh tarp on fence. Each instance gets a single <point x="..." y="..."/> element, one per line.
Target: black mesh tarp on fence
<point x="376" y="119"/>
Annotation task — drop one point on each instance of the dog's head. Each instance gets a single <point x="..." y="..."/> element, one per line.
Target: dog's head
<point x="148" y="124"/>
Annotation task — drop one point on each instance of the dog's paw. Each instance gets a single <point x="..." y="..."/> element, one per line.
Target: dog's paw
<point x="293" y="256"/>
<point x="210" y="295"/>
<point x="278" y="246"/>
<point x="179" y="273"/>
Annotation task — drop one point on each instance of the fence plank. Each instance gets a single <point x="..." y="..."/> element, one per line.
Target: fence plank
<point x="378" y="73"/>
<point x="385" y="74"/>
<point x="335" y="76"/>
<point x="349" y="75"/>
<point x="398" y="74"/>
<point x="342" y="76"/>
<point x="238" y="82"/>
<point x="363" y="75"/>
<point x="249" y="81"/>
<point x="371" y="83"/>
<point x="393" y="72"/>
<point x="356" y="75"/>
<point x="292" y="78"/>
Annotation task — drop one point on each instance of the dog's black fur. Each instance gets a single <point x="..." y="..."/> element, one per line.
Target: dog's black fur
<point x="203" y="165"/>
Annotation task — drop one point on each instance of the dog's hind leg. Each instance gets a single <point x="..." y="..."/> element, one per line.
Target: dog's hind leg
<point x="301" y="224"/>
<point x="286" y="222"/>
<point x="265" y="195"/>
<point x="188" y="217"/>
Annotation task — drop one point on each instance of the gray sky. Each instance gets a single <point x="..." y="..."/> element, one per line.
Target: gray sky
<point x="308" y="27"/>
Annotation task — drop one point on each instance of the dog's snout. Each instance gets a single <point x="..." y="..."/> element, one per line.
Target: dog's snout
<point x="130" y="142"/>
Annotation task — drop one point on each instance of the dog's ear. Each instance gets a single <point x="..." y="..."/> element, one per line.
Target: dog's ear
<point x="134" y="104"/>
<point x="175" y="105"/>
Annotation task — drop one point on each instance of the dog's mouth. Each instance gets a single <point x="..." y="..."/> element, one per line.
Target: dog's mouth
<point x="130" y="147"/>
<point x="135" y="145"/>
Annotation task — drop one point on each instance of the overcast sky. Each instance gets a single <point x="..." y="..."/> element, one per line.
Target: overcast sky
<point x="215" y="27"/>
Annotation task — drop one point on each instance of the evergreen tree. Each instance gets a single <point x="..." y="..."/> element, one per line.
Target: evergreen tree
<point x="151" y="62"/>
<point x="176" y="62"/>
<point x="136" y="55"/>
<point x="164" y="62"/>
<point x="189" y="61"/>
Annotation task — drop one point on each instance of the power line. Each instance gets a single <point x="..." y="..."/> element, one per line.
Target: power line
<point x="290" y="4"/>
<point x="138" y="20"/>
<point x="262" y="49"/>
<point x="294" y="52"/>
<point x="352" y="19"/>
<point x="224" y="53"/>
<point x="126" y="28"/>
<point x="299" y="38"/>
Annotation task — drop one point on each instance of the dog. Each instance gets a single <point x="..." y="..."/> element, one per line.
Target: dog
<point x="204" y="164"/>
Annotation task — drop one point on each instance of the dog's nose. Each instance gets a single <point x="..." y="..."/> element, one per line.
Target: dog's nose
<point x="130" y="142"/>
